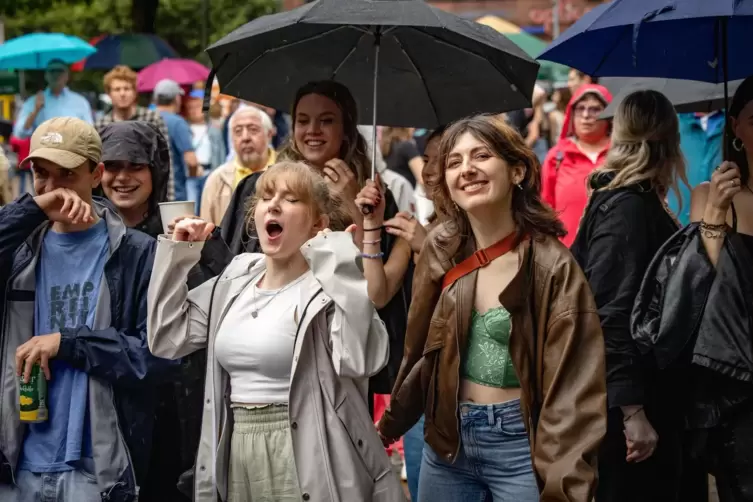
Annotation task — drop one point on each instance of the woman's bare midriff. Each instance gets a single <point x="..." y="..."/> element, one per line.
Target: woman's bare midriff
<point x="482" y="394"/>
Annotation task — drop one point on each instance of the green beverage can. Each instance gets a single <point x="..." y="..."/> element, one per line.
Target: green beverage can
<point x="33" y="397"/>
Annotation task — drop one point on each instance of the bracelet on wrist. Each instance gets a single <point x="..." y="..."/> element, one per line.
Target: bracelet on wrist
<point x="722" y="227"/>
<point x="376" y="241"/>
<point x="628" y="417"/>
<point x="380" y="227"/>
<point x="372" y="256"/>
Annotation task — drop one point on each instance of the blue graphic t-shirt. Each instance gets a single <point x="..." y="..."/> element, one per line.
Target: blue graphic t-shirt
<point x="69" y="273"/>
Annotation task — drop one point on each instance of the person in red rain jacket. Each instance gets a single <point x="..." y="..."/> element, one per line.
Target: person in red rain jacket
<point x="581" y="148"/>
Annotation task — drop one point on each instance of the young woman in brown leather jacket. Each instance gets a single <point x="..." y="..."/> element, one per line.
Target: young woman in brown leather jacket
<point x="504" y="352"/>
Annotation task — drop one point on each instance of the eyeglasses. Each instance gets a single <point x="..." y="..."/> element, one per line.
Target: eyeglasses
<point x="588" y="111"/>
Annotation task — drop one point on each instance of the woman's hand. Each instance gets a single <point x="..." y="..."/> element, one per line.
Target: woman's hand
<point x="192" y="229"/>
<point x="640" y="436"/>
<point x="406" y="226"/>
<point x="371" y="195"/>
<point x="171" y="225"/>
<point x="386" y="442"/>
<point x="341" y="180"/>
<point x="725" y="184"/>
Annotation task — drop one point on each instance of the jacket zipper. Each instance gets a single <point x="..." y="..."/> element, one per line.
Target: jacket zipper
<point x="3" y="350"/>
<point x="303" y="315"/>
<point x="457" y="380"/>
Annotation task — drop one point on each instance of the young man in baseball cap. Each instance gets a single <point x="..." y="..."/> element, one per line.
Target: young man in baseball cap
<point x="76" y="281"/>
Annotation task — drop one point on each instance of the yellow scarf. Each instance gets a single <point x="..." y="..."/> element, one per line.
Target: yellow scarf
<point x="242" y="171"/>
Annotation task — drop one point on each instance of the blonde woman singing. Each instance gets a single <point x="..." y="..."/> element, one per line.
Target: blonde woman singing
<point x="292" y="339"/>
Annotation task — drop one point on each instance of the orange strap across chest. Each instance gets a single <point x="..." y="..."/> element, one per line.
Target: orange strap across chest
<point x="479" y="259"/>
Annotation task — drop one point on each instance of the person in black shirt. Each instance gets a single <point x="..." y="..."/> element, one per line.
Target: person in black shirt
<point x="401" y="154"/>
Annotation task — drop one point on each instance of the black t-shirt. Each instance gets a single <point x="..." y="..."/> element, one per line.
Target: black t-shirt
<point x="401" y="153"/>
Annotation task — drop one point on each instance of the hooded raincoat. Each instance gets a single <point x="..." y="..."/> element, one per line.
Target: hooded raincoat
<point x="178" y="418"/>
<point x="566" y="168"/>
<point x="340" y="343"/>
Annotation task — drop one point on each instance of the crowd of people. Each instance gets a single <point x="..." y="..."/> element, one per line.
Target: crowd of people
<point x="529" y="303"/>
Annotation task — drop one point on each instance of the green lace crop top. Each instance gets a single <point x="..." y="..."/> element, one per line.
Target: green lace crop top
<point x="487" y="360"/>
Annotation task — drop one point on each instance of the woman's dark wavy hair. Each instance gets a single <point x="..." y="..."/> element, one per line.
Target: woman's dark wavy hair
<point x="742" y="97"/>
<point x="531" y="215"/>
<point x="353" y="150"/>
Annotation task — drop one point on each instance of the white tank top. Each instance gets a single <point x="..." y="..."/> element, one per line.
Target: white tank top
<point x="255" y="343"/>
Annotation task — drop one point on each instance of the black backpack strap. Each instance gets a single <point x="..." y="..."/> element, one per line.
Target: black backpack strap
<point x="605" y="206"/>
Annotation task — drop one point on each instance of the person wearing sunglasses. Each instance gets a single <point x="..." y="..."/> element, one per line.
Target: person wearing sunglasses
<point x="55" y="101"/>
<point x="582" y="147"/>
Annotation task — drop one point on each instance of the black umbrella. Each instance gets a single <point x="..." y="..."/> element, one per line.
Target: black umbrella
<point x="427" y="66"/>
<point x="687" y="95"/>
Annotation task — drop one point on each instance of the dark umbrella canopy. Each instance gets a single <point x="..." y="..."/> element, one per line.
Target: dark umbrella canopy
<point x="135" y="50"/>
<point x="687" y="95"/>
<point x="683" y="39"/>
<point x="434" y="67"/>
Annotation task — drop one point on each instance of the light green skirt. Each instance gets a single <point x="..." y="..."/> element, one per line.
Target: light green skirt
<point x="262" y="466"/>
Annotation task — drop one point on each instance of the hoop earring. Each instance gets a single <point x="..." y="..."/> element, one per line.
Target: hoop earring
<point x="738" y="145"/>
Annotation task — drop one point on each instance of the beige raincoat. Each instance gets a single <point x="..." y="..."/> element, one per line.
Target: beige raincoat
<point x="340" y="343"/>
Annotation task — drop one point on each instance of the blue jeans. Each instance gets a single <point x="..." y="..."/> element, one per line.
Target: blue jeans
<point x="413" y="448"/>
<point x="493" y="464"/>
<point x="194" y="188"/>
<point x="68" y="486"/>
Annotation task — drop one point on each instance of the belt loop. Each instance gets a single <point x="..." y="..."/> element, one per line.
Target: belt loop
<point x="490" y="414"/>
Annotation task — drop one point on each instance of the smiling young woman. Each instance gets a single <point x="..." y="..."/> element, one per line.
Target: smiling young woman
<point x="501" y="326"/>
<point x="299" y="384"/>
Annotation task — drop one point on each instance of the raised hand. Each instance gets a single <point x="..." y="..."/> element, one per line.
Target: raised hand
<point x="192" y="230"/>
<point x="371" y="195"/>
<point x="63" y="205"/>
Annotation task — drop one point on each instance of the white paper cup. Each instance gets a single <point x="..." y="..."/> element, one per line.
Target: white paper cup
<point x="168" y="211"/>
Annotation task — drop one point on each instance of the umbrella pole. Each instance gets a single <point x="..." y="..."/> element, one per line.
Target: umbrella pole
<point x="374" y="146"/>
<point x="725" y="71"/>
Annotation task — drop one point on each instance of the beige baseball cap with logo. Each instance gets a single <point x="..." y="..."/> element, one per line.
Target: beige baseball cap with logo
<point x="66" y="141"/>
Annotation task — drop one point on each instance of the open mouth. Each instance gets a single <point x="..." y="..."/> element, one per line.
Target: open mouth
<point x="125" y="189"/>
<point x="475" y="186"/>
<point x="274" y="229"/>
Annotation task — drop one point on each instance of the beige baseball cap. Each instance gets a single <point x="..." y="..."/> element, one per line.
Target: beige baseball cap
<point x="66" y="141"/>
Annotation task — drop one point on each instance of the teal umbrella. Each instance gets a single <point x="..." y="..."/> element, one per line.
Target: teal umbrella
<point x="36" y="50"/>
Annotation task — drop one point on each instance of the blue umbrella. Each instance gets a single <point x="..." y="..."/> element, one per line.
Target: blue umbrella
<point x="36" y="50"/>
<point x="681" y="39"/>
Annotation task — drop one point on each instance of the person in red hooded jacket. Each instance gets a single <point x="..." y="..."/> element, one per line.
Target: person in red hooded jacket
<point x="582" y="147"/>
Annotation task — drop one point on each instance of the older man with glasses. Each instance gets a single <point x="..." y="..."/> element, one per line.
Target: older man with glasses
<point x="55" y="101"/>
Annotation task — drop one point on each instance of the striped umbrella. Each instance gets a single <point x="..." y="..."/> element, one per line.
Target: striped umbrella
<point x="135" y="50"/>
<point x="531" y="45"/>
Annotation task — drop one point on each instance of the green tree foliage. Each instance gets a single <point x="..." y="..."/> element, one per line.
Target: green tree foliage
<point x="179" y="22"/>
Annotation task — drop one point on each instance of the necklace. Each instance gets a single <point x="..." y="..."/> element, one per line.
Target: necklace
<point x="256" y="308"/>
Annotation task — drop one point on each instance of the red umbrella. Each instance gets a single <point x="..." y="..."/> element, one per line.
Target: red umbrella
<point x="182" y="71"/>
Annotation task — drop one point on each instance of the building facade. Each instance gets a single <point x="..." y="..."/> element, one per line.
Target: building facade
<point x="535" y="16"/>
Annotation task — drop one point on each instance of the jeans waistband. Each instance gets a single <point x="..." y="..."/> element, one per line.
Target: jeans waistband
<point x="490" y="412"/>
